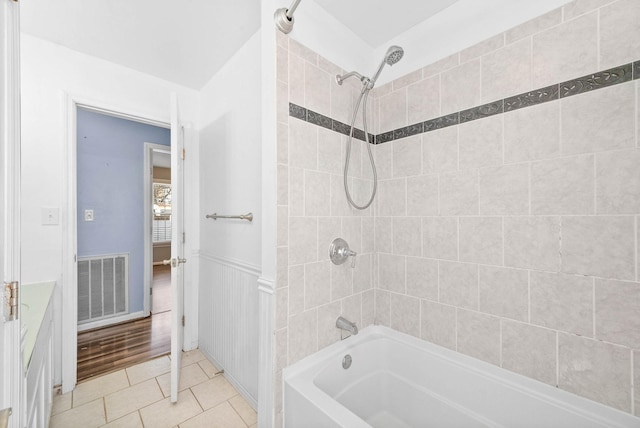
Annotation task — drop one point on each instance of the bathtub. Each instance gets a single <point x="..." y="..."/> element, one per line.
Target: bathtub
<point x="396" y="380"/>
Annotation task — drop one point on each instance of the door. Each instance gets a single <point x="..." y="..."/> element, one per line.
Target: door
<point x="11" y="372"/>
<point x="177" y="244"/>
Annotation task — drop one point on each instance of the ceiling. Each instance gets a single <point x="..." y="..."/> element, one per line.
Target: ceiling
<point x="188" y="41"/>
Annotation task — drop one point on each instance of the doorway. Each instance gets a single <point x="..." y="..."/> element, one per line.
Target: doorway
<point x="117" y="324"/>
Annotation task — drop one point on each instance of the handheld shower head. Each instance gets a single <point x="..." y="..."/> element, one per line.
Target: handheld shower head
<point x="393" y="55"/>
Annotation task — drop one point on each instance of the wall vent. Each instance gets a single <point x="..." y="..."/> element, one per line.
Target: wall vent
<point x="103" y="287"/>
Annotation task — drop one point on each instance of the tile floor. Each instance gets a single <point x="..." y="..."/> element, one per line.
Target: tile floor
<point x="137" y="397"/>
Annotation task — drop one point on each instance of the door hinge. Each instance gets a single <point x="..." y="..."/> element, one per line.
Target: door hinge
<point x="11" y="291"/>
<point x="184" y="153"/>
<point x="183" y="320"/>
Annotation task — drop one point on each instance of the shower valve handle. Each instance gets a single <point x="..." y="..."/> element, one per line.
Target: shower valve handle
<point x="339" y="252"/>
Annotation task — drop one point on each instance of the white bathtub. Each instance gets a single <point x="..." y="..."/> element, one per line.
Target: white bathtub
<point x="396" y="380"/>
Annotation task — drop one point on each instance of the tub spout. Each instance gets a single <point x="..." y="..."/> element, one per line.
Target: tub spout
<point x="346" y="325"/>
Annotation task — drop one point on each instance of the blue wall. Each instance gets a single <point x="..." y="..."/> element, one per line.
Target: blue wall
<point x="111" y="183"/>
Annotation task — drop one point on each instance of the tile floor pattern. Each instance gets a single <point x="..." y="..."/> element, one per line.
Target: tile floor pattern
<point x="137" y="397"/>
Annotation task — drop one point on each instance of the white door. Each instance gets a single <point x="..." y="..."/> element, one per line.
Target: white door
<point x="11" y="373"/>
<point x="177" y="244"/>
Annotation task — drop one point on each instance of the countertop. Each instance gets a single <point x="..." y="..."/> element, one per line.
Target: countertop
<point x="35" y="298"/>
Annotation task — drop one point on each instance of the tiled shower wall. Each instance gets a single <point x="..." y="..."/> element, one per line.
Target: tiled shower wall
<point x="513" y="238"/>
<point x="311" y="292"/>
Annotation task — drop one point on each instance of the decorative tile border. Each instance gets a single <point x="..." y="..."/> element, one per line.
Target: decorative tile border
<point x="591" y="82"/>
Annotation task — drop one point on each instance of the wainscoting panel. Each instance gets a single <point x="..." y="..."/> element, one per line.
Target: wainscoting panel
<point x="228" y="320"/>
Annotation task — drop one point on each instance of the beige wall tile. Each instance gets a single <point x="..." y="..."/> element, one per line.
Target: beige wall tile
<point x="481" y="240"/>
<point x="562" y="302"/>
<point x="596" y="370"/>
<point x="498" y="84"/>
<point x="282" y="307"/>
<point x="164" y="414"/>
<point x="368" y="308"/>
<point x="563" y="186"/>
<point x="355" y="158"/>
<point x="282" y="271"/>
<point x="99" y="387"/>
<point x="422" y="278"/>
<point x="301" y="51"/>
<point x="282" y="102"/>
<point x="282" y="64"/>
<point x="368" y="229"/>
<point x="352" y="309"/>
<point x="283" y="185"/>
<point x="566" y="51"/>
<point x="303" y="240"/>
<point x="602" y="246"/>
<point x="330" y="151"/>
<point x="329" y="67"/>
<point x="393" y="110"/>
<point x="407" y="156"/>
<point x="440" y="237"/>
<point x="317" y="284"/>
<point x="459" y="193"/>
<point x="460" y="87"/>
<point x="303" y="337"/>
<point x="441" y="65"/>
<point x="422" y="195"/>
<point x="636" y="381"/>
<point x="618" y="182"/>
<point x="384" y="234"/>
<point x="391" y="271"/>
<point x="599" y="120"/>
<point x="282" y="226"/>
<point x="484" y="47"/>
<point x="580" y="7"/>
<point x="392" y="197"/>
<point x="303" y="144"/>
<point x="88" y="415"/>
<point x="296" y="200"/>
<point x="339" y="204"/>
<point x="327" y="331"/>
<point x="458" y="284"/>
<point x="407" y="236"/>
<point x="532" y="133"/>
<point x="438" y="324"/>
<point x="529" y="350"/>
<point x="383" y="155"/>
<point x="316" y="193"/>
<point x="283" y="142"/>
<point x="341" y="281"/>
<point x="382" y="303"/>
<point x="128" y="400"/>
<point x="341" y="101"/>
<point x="617" y="21"/>
<point x="362" y="279"/>
<point x="479" y="336"/>
<point x="504" y="190"/>
<point x="296" y="80"/>
<point x="352" y="232"/>
<point x="440" y="150"/>
<point x="618" y="312"/>
<point x="405" y="314"/>
<point x="480" y="143"/>
<point x="296" y="289"/>
<point x="534" y="26"/>
<point x="504" y="292"/>
<point x="406" y="80"/>
<point x="423" y="100"/>
<point x="532" y="242"/>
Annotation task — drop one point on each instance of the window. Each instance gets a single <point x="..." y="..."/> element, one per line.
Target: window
<point x="161" y="212"/>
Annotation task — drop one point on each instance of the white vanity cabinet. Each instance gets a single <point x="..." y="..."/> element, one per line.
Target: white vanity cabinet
<point x="37" y="351"/>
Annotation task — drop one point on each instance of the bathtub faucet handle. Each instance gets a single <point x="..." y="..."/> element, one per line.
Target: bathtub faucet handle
<point x="339" y="252"/>
<point x="353" y="255"/>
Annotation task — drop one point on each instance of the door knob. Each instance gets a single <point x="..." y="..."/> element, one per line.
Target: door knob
<point x="174" y="262"/>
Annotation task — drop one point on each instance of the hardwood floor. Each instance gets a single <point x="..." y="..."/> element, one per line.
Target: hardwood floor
<point x="123" y="345"/>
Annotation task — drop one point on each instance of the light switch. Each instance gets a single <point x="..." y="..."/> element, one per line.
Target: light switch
<point x="88" y="215"/>
<point x="50" y="215"/>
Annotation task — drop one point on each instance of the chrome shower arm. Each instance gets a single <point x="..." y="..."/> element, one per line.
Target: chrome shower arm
<point x="342" y="77"/>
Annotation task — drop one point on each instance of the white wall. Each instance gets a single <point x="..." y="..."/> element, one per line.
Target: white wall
<point x="48" y="73"/>
<point x="231" y="184"/>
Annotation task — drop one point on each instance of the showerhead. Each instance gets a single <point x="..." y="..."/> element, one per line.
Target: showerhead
<point x="393" y="55"/>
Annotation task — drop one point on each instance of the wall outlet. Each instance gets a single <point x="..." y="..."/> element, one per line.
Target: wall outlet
<point x="88" y="215"/>
<point x="50" y="215"/>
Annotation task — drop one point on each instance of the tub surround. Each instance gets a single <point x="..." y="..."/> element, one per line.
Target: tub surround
<point x="503" y="230"/>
